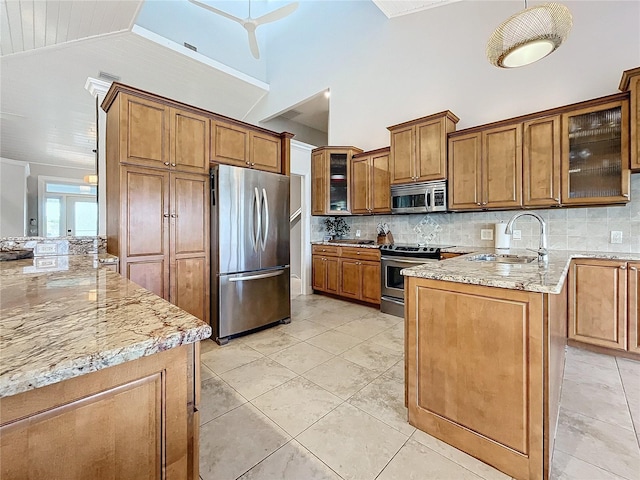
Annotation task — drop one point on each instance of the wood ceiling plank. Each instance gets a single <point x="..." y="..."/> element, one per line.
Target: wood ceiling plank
<point x="51" y="28"/>
<point x="15" y="23"/>
<point x="64" y="17"/>
<point x="6" y="42"/>
<point x="39" y="23"/>
<point x="26" y="14"/>
<point x="88" y="10"/>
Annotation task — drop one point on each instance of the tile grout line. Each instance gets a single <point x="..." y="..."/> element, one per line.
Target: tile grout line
<point x="626" y="398"/>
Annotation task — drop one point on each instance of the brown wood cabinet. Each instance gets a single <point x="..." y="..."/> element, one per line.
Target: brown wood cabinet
<point x="631" y="82"/>
<point x="418" y="151"/>
<point x="485" y="169"/>
<point x="158" y="196"/>
<point x="484" y="367"/>
<point x="350" y="272"/>
<point x="235" y="144"/>
<point x="370" y="182"/>
<point x="603" y="303"/>
<point x="331" y="180"/>
<point x="541" y="162"/>
<point x="136" y="420"/>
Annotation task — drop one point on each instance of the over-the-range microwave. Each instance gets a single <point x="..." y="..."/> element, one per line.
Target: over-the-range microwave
<point x="419" y="197"/>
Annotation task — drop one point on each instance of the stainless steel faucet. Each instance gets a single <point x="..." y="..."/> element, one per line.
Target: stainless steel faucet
<point x="543" y="249"/>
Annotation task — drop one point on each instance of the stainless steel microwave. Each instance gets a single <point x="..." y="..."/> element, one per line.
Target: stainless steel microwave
<point x="419" y="197"/>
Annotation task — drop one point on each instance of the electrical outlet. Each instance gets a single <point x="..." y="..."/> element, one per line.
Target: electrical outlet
<point x="486" y="234"/>
<point x="517" y="235"/>
<point x="357" y="233"/>
<point x="46" y="248"/>
<point x="616" y="236"/>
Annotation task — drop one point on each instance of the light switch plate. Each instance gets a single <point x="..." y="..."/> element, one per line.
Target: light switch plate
<point x="517" y="235"/>
<point x="486" y="234"/>
<point x="616" y="236"/>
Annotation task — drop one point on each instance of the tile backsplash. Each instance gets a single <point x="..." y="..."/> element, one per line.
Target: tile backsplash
<point x="580" y="228"/>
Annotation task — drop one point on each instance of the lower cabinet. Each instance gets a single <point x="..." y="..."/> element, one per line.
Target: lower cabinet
<point x="603" y="304"/>
<point x="350" y="272"/>
<point x="136" y="420"/>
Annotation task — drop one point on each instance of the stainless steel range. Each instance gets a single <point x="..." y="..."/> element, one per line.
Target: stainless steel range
<point x="393" y="259"/>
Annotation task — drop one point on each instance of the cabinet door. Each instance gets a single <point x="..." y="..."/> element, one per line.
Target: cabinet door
<point x="431" y="151"/>
<point x="264" y="152"/>
<point x="229" y="144"/>
<point x="318" y="181"/>
<point x="144" y="132"/>
<point x="502" y="167"/>
<point x="635" y="122"/>
<point x="333" y="275"/>
<point x="633" y="301"/>
<point x="402" y="155"/>
<point x="598" y="303"/>
<point x="189" y="215"/>
<point x="541" y="162"/>
<point x="380" y="183"/>
<point x="465" y="175"/>
<point x="145" y="229"/>
<point x="189" y="141"/>
<point x="370" y="282"/>
<point x="595" y="154"/>
<point x="318" y="273"/>
<point x="350" y="285"/>
<point x="360" y="185"/>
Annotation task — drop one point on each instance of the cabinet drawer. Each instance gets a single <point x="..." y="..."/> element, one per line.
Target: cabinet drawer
<point x="324" y="250"/>
<point x="361" y="253"/>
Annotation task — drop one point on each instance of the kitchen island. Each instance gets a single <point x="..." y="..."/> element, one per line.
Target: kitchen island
<point x="485" y="355"/>
<point x="99" y="378"/>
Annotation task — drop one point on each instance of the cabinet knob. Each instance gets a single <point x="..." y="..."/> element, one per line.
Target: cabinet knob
<point x="623" y="267"/>
<point x="557" y="199"/>
<point x="173" y="164"/>
<point x="166" y="215"/>
<point x="358" y="253"/>
<point x="248" y="163"/>
<point x="173" y="215"/>
<point x="166" y="163"/>
<point x="484" y="203"/>
<point x="478" y="203"/>
<point x="633" y="268"/>
<point x="625" y="195"/>
<point x="252" y="164"/>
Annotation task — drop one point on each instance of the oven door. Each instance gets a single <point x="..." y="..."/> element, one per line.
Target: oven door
<point x="392" y="282"/>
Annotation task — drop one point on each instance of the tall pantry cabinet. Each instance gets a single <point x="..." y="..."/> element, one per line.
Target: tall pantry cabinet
<point x="158" y="195"/>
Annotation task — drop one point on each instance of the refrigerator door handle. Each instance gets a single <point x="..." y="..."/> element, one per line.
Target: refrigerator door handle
<point x="257" y="277"/>
<point x="265" y="206"/>
<point x="255" y="212"/>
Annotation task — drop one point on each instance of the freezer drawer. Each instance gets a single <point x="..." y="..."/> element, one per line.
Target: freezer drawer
<point x="251" y="300"/>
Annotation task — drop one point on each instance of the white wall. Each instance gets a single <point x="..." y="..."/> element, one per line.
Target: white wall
<point x="385" y="71"/>
<point x="13" y="197"/>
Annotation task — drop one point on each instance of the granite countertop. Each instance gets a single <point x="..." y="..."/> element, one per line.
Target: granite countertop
<point x="71" y="317"/>
<point x="338" y="243"/>
<point x="532" y="277"/>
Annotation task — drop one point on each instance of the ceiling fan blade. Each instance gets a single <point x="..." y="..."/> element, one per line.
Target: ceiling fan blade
<point x="219" y="12"/>
<point x="276" y="14"/>
<point x="253" y="42"/>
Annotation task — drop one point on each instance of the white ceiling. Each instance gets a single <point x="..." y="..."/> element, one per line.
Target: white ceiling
<point x="49" y="49"/>
<point x="397" y="8"/>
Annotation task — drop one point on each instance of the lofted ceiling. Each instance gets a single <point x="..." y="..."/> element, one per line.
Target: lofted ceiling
<point x="49" y="49"/>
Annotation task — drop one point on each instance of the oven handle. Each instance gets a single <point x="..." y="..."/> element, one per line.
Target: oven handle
<point x="413" y="262"/>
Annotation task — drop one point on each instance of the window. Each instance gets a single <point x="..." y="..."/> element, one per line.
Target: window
<point x="67" y="207"/>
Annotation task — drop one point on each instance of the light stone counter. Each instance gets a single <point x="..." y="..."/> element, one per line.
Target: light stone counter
<point x="532" y="277"/>
<point x="69" y="317"/>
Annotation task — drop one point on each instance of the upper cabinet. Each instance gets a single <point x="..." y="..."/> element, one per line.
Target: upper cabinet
<point x="541" y="162"/>
<point x="162" y="136"/>
<point x="595" y="154"/>
<point x="330" y="180"/>
<point x="419" y="148"/>
<point x="234" y="144"/>
<point x="631" y="82"/>
<point x="485" y="169"/>
<point x="370" y="187"/>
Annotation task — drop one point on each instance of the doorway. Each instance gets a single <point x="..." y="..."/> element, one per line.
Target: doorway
<point x="67" y="208"/>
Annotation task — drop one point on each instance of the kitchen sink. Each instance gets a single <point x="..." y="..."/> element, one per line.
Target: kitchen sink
<point x="501" y="258"/>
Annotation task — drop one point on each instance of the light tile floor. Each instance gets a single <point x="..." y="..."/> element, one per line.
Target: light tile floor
<point x="323" y="398"/>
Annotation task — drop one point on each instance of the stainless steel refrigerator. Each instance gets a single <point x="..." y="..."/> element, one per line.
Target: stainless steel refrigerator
<point x="249" y="250"/>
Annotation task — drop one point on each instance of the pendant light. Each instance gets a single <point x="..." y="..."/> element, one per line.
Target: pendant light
<point x="529" y="35"/>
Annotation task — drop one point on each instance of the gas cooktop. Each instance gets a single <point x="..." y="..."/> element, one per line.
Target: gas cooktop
<point x="412" y="250"/>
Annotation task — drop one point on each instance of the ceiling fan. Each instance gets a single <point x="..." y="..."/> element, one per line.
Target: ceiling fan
<point x="250" y="24"/>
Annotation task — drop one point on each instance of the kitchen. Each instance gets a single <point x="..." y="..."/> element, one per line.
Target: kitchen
<point x="368" y="129"/>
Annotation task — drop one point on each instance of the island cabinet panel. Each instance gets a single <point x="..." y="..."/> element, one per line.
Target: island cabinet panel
<point x="465" y="167"/>
<point x="541" y="162"/>
<point x="634" y="307"/>
<point x="598" y="303"/>
<point x="475" y="371"/>
<point x="189" y="141"/>
<point x="129" y="421"/>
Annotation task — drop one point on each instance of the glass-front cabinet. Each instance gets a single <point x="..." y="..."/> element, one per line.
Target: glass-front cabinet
<point x="330" y="173"/>
<point x="595" y="154"/>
